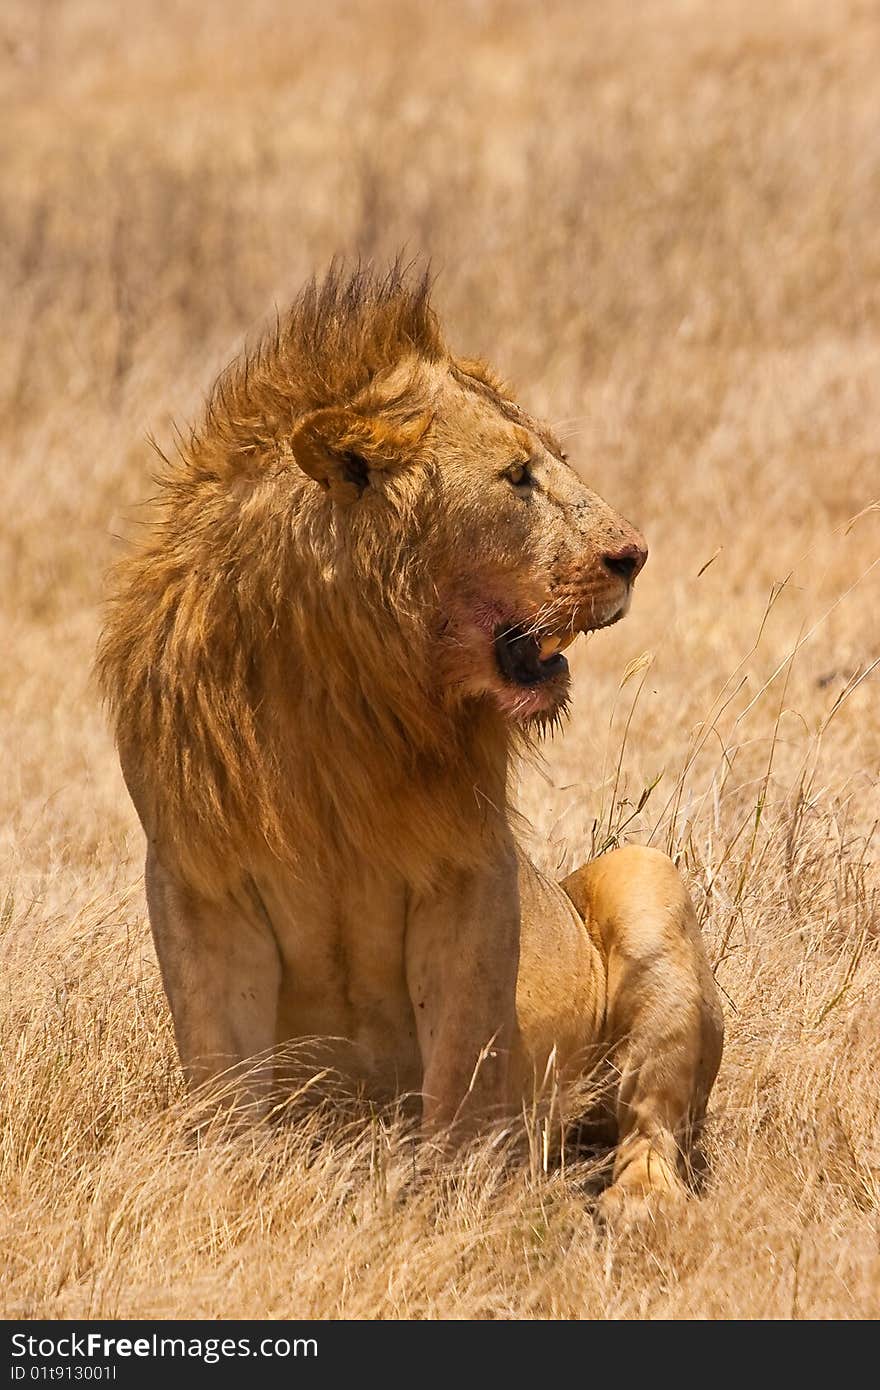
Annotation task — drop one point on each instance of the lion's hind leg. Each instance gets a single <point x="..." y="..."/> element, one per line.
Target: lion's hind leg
<point x="663" y="1023"/>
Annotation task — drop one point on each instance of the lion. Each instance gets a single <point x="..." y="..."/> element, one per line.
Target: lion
<point x="345" y="624"/>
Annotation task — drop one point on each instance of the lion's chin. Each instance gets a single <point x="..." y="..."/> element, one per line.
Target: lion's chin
<point x="538" y="705"/>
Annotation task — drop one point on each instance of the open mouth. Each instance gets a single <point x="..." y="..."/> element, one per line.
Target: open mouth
<point x="528" y="658"/>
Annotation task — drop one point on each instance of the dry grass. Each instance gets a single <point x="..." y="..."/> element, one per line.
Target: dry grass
<point x="660" y="219"/>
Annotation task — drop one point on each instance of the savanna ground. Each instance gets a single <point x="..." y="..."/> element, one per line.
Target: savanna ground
<point x="659" y="220"/>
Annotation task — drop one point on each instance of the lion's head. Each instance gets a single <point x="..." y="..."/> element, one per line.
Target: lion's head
<point x="365" y="567"/>
<point x="434" y="468"/>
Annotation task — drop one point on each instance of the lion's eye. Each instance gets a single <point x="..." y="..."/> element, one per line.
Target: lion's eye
<point x="519" y="476"/>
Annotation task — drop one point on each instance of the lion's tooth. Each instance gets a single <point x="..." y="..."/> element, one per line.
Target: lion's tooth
<point x="551" y="645"/>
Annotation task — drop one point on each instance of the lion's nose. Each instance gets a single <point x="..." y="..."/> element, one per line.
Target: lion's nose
<point x="627" y="561"/>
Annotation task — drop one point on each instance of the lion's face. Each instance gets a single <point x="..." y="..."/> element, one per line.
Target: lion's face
<point x="519" y="556"/>
<point x="530" y="557"/>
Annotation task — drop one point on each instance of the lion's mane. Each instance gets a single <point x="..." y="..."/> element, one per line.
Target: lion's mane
<point x="266" y="657"/>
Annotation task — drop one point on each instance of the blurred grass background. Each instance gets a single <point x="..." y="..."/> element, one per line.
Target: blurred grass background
<point x="659" y="220"/>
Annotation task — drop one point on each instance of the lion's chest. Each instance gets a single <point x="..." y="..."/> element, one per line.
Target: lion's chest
<point x="342" y="946"/>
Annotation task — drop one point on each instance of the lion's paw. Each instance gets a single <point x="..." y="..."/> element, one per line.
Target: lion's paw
<point x="623" y="1204"/>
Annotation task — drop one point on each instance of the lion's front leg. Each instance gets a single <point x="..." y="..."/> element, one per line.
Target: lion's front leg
<point x="221" y="970"/>
<point x="462" y="956"/>
<point x="663" y="1021"/>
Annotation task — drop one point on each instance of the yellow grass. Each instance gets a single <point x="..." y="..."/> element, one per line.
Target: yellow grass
<point x="660" y="219"/>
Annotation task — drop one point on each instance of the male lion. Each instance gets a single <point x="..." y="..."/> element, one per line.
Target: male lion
<point x="348" y="616"/>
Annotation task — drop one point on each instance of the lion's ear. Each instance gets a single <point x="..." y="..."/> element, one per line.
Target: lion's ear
<point x="340" y="449"/>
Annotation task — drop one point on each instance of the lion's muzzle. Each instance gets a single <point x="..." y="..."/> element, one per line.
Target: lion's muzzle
<point x="591" y="592"/>
<point x="593" y="589"/>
